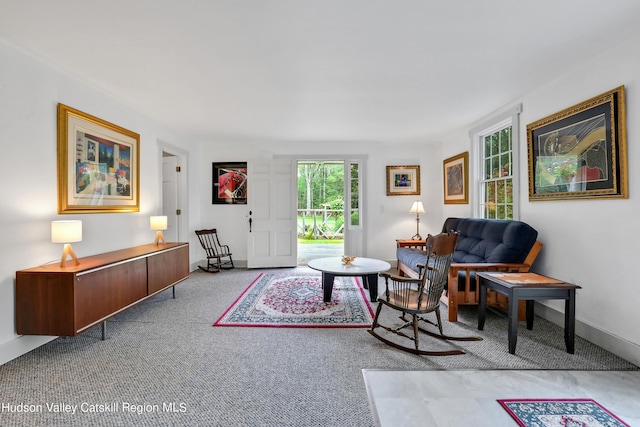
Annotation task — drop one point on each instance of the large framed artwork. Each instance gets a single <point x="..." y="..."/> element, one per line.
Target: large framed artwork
<point x="229" y="183"/>
<point x="580" y="152"/>
<point x="456" y="179"/>
<point x="98" y="165"/>
<point x="403" y="180"/>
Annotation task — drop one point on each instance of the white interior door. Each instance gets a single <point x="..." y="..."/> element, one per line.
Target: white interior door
<point x="271" y="212"/>
<point x="170" y="196"/>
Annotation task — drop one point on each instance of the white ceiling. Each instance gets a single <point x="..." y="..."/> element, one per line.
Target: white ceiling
<point x="315" y="70"/>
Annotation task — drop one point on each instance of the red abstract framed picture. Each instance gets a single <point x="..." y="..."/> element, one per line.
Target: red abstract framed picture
<point x="229" y="183"/>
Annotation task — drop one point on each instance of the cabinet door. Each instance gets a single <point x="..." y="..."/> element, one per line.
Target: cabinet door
<point x="44" y="303"/>
<point x="167" y="268"/>
<point x="102" y="292"/>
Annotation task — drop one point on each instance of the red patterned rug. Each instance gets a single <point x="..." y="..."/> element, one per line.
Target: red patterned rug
<point x="296" y="301"/>
<point x="560" y="413"/>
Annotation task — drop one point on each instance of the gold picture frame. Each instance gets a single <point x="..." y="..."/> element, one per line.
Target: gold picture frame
<point x="403" y="180"/>
<point x="456" y="179"/>
<point x="98" y="165"/>
<point x="580" y="152"/>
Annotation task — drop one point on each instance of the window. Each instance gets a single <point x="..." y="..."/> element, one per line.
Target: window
<point x="497" y="176"/>
<point x="496" y="168"/>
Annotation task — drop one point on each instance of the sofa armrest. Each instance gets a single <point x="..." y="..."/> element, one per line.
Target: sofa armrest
<point x="471" y="296"/>
<point x="504" y="267"/>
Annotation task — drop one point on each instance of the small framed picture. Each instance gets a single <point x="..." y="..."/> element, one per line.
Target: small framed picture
<point x="456" y="179"/>
<point x="403" y="180"/>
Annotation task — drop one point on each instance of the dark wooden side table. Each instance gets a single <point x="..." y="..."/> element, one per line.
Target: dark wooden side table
<point x="529" y="287"/>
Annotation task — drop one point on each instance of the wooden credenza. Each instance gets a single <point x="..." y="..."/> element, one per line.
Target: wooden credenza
<point x="65" y="301"/>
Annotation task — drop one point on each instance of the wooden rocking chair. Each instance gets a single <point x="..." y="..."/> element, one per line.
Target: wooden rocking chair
<point x="417" y="297"/>
<point x="215" y="251"/>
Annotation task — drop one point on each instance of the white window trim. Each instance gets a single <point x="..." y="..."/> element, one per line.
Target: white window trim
<point x="476" y="134"/>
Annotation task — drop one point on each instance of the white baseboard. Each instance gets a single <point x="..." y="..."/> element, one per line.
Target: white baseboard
<point x="21" y="345"/>
<point x="616" y="345"/>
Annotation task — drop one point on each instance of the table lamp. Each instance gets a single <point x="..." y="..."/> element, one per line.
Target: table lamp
<point x="66" y="232"/>
<point x="158" y="223"/>
<point x="417" y="208"/>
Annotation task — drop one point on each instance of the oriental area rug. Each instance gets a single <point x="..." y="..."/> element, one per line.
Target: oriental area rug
<point x="560" y="413"/>
<point x="296" y="301"/>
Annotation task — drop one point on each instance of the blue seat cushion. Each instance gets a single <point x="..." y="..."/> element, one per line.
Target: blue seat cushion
<point x="480" y="241"/>
<point x="491" y="240"/>
<point x="411" y="257"/>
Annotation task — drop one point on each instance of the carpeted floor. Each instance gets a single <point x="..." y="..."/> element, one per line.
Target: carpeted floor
<point x="164" y="364"/>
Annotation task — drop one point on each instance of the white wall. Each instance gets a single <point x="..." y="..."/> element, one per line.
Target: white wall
<point x="591" y="243"/>
<point x="386" y="218"/>
<point x="29" y="94"/>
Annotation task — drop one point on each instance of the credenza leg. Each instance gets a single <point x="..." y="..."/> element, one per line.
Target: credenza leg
<point x="104" y="330"/>
<point x="174" y="292"/>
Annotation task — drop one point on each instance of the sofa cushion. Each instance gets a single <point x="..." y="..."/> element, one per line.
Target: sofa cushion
<point x="411" y="257"/>
<point x="480" y="241"/>
<point x="491" y="240"/>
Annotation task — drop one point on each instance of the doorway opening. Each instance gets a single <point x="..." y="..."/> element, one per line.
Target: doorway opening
<point x="320" y="209"/>
<point x="173" y="185"/>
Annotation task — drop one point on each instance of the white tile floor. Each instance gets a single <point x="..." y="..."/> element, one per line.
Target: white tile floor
<point x="468" y="397"/>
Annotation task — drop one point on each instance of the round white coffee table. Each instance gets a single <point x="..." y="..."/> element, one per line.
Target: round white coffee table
<point x="366" y="268"/>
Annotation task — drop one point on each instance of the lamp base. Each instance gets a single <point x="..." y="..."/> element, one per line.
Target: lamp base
<point x="417" y="236"/>
<point x="68" y="251"/>
<point x="159" y="237"/>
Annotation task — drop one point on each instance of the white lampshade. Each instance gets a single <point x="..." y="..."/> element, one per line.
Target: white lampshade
<point x="158" y="222"/>
<point x="417" y="207"/>
<point x="66" y="231"/>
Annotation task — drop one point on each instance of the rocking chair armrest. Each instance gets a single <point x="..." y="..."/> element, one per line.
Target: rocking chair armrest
<point x="388" y="275"/>
<point x="421" y="266"/>
<point x="397" y="278"/>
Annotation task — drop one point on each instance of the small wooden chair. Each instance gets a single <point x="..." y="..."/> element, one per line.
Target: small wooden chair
<point x="215" y="251"/>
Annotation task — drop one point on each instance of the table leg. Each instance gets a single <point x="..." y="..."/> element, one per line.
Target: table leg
<point x="482" y="303"/>
<point x="327" y="285"/>
<point x="370" y="281"/>
<point x="570" y="321"/>
<point x="530" y="304"/>
<point x="513" y="322"/>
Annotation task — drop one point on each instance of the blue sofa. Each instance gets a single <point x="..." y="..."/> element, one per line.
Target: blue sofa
<point x="483" y="245"/>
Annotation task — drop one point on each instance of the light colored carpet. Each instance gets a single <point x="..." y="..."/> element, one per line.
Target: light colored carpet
<point x="167" y="351"/>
